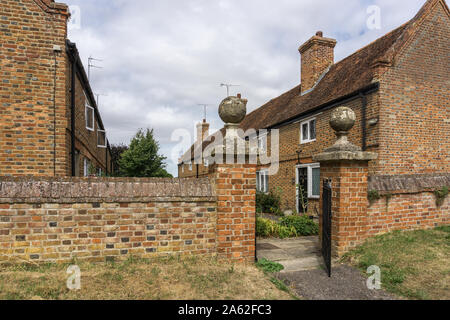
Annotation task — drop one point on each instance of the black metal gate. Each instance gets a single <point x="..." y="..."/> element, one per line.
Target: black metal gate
<point x="326" y="225"/>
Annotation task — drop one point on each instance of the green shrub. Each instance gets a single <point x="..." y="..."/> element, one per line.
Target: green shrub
<point x="267" y="228"/>
<point x="303" y="225"/>
<point x="268" y="203"/>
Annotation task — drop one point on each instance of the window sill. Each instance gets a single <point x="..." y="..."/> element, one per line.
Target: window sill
<point x="307" y="141"/>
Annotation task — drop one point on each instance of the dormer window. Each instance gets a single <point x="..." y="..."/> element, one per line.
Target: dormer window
<point x="89" y="115"/>
<point x="308" y="131"/>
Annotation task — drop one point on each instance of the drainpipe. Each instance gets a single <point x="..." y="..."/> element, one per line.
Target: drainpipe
<point x="106" y="161"/>
<point x="197" y="170"/>
<point x="364" y="120"/>
<point x="72" y="116"/>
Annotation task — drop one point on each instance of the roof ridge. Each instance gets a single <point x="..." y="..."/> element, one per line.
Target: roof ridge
<point x="374" y="42"/>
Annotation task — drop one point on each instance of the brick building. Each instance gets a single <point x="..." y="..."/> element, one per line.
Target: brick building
<point x="50" y="124"/>
<point x="399" y="88"/>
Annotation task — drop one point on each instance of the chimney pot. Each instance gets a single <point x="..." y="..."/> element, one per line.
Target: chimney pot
<point x="319" y="33"/>
<point x="239" y="95"/>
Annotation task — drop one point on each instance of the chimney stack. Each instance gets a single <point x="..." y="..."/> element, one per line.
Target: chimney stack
<point x="202" y="131"/>
<point x="317" y="55"/>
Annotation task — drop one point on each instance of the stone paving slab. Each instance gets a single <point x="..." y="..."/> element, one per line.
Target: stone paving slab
<point x="294" y="254"/>
<point x="307" y="263"/>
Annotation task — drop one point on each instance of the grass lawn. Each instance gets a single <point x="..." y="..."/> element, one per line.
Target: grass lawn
<point x="162" y="278"/>
<point x="414" y="264"/>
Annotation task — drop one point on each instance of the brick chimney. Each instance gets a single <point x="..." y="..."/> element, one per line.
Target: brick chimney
<point x="202" y="131"/>
<point x="317" y="54"/>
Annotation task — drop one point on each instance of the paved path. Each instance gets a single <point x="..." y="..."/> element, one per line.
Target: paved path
<point x="305" y="273"/>
<point x="294" y="254"/>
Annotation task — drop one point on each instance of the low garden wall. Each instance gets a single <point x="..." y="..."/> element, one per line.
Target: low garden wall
<point x="56" y="220"/>
<point x="407" y="202"/>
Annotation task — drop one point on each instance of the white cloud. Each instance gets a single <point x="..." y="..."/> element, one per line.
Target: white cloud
<point x="164" y="57"/>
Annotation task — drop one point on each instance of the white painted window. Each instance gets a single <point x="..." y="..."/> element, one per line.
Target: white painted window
<point x="101" y="138"/>
<point x="313" y="179"/>
<point x="182" y="167"/>
<point x="262" y="142"/>
<point x="86" y="165"/>
<point x="262" y="181"/>
<point x="190" y="166"/>
<point x="308" y="131"/>
<point x="206" y="162"/>
<point x="89" y="115"/>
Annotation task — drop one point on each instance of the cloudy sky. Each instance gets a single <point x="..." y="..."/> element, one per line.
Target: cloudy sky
<point x="161" y="58"/>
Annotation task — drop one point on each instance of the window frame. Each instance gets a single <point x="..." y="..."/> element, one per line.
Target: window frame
<point x="190" y="166"/>
<point x="88" y="107"/>
<point x="308" y="123"/>
<point x="261" y="181"/>
<point x="106" y="141"/>
<point x="86" y="164"/>
<point x="310" y="167"/>
<point x="262" y="142"/>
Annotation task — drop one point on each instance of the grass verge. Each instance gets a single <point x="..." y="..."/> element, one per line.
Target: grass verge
<point x="170" y="278"/>
<point x="414" y="264"/>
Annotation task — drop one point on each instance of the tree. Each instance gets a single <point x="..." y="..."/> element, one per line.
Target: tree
<point x="116" y="152"/>
<point x="142" y="158"/>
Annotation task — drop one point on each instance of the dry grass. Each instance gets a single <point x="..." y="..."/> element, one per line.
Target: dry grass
<point x="135" y="279"/>
<point x="414" y="264"/>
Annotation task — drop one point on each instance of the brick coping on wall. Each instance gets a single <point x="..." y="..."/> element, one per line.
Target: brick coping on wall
<point x="110" y="190"/>
<point x="417" y="183"/>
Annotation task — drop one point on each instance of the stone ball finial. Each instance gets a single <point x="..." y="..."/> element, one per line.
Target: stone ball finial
<point x="232" y="110"/>
<point x="342" y="119"/>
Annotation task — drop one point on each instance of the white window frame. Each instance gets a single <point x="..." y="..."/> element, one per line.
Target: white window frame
<point x="190" y="166"/>
<point x="206" y="162"/>
<point x="86" y="164"/>
<point x="106" y="143"/>
<point x="88" y="107"/>
<point x="308" y="122"/>
<point x="182" y="168"/>
<point x="310" y="168"/>
<point x="262" y="142"/>
<point x="262" y="182"/>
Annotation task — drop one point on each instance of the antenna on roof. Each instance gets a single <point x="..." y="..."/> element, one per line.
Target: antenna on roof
<point x="228" y="87"/>
<point x="98" y="95"/>
<point x="204" y="109"/>
<point x="91" y="65"/>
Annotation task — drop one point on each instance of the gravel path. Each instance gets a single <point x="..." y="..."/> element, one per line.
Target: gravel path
<point x="346" y="283"/>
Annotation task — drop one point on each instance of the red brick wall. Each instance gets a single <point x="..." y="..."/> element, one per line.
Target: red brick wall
<point x="415" y="100"/>
<point x="406" y="211"/>
<point x="27" y="66"/>
<point x="98" y="219"/>
<point x="349" y="203"/>
<point x="55" y="220"/>
<point x="236" y="214"/>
